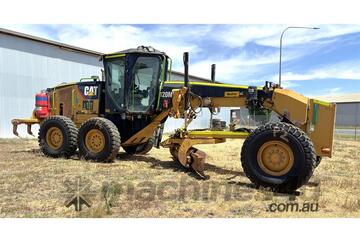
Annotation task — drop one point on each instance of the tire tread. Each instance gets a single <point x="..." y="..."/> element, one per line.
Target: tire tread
<point x="306" y="144"/>
<point x="114" y="136"/>
<point x="71" y="130"/>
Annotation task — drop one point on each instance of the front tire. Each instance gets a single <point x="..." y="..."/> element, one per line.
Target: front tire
<point x="279" y="156"/>
<point x="57" y="137"/>
<point x="98" y="140"/>
<point x="141" y="149"/>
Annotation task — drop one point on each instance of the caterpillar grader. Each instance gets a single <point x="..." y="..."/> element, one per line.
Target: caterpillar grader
<point x="129" y="105"/>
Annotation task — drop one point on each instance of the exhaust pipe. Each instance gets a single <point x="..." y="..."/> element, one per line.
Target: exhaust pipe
<point x="213" y="70"/>
<point x="186" y="80"/>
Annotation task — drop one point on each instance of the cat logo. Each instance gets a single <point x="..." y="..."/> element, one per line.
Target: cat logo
<point x="90" y="91"/>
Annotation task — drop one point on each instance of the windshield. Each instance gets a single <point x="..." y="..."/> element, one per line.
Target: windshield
<point x="144" y="84"/>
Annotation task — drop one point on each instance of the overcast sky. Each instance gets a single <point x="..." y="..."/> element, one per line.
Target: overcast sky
<point x="315" y="62"/>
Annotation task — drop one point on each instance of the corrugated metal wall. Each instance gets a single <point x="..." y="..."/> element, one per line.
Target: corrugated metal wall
<point x="179" y="77"/>
<point x="348" y="114"/>
<point x="26" y="67"/>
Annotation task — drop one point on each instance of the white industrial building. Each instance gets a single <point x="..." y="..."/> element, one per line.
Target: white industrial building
<point x="29" y="64"/>
<point x="347" y="108"/>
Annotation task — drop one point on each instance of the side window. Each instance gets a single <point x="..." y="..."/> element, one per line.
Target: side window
<point x="115" y="72"/>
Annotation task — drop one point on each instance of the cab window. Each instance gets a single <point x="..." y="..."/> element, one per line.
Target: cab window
<point x="144" y="84"/>
<point x="115" y="71"/>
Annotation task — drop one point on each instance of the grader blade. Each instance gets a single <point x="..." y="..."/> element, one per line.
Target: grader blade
<point x="182" y="151"/>
<point x="191" y="158"/>
<point x="198" y="162"/>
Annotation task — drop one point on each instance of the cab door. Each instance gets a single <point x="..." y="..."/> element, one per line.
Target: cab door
<point x="144" y="80"/>
<point x="115" y="84"/>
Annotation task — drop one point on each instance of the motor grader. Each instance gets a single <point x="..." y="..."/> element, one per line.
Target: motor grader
<point x="129" y="105"/>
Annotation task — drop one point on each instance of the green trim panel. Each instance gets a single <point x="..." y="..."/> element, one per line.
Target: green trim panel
<point x="315" y="113"/>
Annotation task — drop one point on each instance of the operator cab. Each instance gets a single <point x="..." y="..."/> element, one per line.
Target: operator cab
<point x="133" y="78"/>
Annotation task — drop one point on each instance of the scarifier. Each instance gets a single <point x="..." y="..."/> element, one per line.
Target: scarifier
<point x="131" y="103"/>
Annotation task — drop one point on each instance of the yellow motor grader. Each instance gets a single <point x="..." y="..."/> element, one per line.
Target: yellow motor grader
<point x="130" y="104"/>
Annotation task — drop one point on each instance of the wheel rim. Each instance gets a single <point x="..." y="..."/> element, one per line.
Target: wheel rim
<point x="54" y="138"/>
<point x="95" y="141"/>
<point x="275" y="158"/>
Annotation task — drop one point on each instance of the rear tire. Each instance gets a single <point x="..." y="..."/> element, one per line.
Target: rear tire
<point x="141" y="149"/>
<point x="273" y="146"/>
<point x="98" y="140"/>
<point x="318" y="161"/>
<point x="57" y="137"/>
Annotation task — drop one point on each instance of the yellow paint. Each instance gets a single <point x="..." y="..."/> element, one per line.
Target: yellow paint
<point x="53" y="107"/>
<point x="232" y="94"/>
<point x="275" y="158"/>
<point x="26" y="121"/>
<point x="95" y="141"/>
<point x="218" y="134"/>
<point x="320" y="102"/>
<point x="228" y="101"/>
<point x="73" y="97"/>
<point x="322" y="133"/>
<point x="210" y="84"/>
<point x="145" y="133"/>
<point x="54" y="138"/>
<point x="114" y="56"/>
<point x="290" y="104"/>
<point x="65" y="84"/>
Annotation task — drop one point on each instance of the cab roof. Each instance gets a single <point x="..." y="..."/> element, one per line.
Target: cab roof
<point x="140" y="49"/>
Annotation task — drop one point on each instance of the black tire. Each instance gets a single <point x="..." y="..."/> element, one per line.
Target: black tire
<point x="318" y="161"/>
<point x="69" y="134"/>
<point x="111" y="137"/>
<point x="141" y="149"/>
<point x="303" y="153"/>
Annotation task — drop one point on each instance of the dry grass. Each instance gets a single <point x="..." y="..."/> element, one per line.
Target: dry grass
<point x="32" y="185"/>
